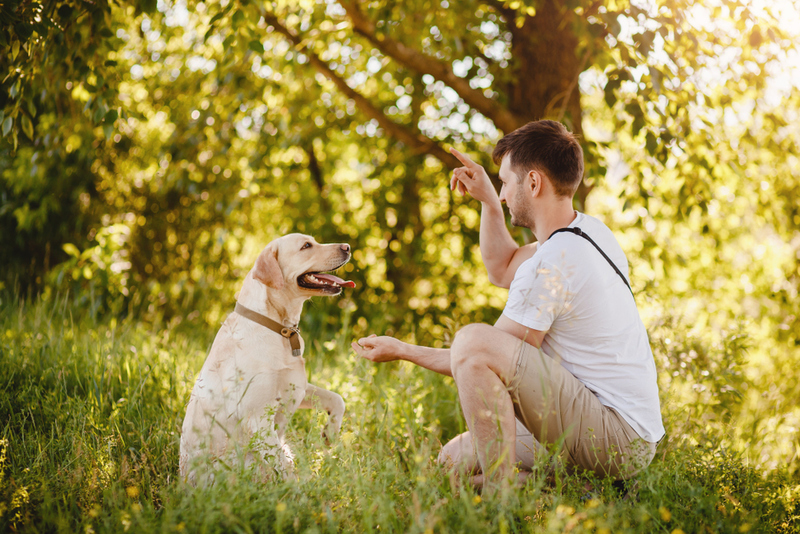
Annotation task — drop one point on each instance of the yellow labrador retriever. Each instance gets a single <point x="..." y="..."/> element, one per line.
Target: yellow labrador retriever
<point x="254" y="377"/>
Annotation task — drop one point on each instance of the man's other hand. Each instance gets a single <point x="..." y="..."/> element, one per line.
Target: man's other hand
<point x="379" y="349"/>
<point x="472" y="179"/>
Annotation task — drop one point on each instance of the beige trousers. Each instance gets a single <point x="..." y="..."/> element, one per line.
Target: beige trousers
<point x="555" y="407"/>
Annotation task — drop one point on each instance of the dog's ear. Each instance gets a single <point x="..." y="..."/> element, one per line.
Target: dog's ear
<point x="267" y="269"/>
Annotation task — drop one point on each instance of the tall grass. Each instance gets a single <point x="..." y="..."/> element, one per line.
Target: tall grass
<point x="91" y="410"/>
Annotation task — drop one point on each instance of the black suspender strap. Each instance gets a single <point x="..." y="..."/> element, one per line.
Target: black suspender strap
<point x="579" y="232"/>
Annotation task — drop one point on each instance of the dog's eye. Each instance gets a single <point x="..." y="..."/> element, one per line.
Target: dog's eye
<point x="307" y="245"/>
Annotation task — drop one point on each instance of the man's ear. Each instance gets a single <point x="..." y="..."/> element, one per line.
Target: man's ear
<point x="267" y="270"/>
<point x="536" y="183"/>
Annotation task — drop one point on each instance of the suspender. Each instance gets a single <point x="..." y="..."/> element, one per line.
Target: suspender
<point x="579" y="232"/>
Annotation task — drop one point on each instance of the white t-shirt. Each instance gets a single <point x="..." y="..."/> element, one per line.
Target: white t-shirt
<point x="569" y="290"/>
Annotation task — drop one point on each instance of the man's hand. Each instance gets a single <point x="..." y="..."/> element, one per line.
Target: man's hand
<point x="472" y="179"/>
<point x="379" y="349"/>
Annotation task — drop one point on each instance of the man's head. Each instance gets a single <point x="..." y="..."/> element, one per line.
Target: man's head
<point x="537" y="152"/>
<point x="547" y="147"/>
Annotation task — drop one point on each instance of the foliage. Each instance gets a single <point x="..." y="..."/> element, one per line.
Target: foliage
<point x="93" y="412"/>
<point x="58" y="101"/>
<point x="149" y="151"/>
<point x="207" y="129"/>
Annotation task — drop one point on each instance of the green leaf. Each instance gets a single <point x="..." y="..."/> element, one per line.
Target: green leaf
<point x="644" y="41"/>
<point x="148" y="6"/>
<point x="237" y="19"/>
<point x="634" y="109"/>
<point x="221" y="14"/>
<point x="256" y="46"/>
<point x="638" y="124"/>
<point x="111" y="116"/>
<point x="64" y="11"/>
<point x="652" y="143"/>
<point x="110" y="63"/>
<point x="71" y="249"/>
<point x="27" y="126"/>
<point x="7" y="124"/>
<point x="610" y="97"/>
<point x="24" y="31"/>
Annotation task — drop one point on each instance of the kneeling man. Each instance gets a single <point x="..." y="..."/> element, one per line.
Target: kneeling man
<point x="569" y="356"/>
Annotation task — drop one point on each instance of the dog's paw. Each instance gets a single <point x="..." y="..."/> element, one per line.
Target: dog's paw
<point x="330" y="435"/>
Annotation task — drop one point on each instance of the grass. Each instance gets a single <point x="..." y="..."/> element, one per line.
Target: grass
<point x="91" y="411"/>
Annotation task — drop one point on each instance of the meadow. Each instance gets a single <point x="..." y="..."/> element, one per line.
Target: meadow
<point x="92" y="409"/>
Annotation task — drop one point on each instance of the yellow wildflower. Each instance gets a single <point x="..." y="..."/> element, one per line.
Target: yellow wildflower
<point x="666" y="515"/>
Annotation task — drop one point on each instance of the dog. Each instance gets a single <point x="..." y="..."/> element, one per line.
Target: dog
<point x="254" y="378"/>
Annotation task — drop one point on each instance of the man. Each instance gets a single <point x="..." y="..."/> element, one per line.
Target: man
<point x="569" y="355"/>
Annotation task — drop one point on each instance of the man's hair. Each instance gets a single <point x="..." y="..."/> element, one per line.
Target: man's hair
<point x="544" y="146"/>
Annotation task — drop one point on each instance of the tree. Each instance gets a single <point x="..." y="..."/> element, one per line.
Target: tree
<point x="206" y="128"/>
<point x="58" y="99"/>
<point x="513" y="62"/>
<point x="429" y="75"/>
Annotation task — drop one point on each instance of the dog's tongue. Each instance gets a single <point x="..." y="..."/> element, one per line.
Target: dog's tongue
<point x="336" y="280"/>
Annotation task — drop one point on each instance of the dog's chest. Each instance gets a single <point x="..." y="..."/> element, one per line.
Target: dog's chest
<point x="266" y="368"/>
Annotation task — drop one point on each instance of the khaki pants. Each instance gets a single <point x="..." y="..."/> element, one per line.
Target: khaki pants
<point x="555" y="407"/>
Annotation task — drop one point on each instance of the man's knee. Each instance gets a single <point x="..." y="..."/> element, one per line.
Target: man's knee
<point x="468" y="345"/>
<point x="459" y="453"/>
<point x="448" y="456"/>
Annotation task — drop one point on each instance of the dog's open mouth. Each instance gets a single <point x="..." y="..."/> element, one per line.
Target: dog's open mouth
<point x="325" y="282"/>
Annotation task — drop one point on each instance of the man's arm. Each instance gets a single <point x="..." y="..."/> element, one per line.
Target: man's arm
<point x="381" y="349"/>
<point x="528" y="335"/>
<point x="501" y="254"/>
<point x="387" y="349"/>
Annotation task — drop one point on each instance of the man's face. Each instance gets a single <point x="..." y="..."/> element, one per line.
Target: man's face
<point x="516" y="194"/>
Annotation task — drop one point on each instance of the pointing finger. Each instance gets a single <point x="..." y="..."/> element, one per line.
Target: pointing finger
<point x="463" y="158"/>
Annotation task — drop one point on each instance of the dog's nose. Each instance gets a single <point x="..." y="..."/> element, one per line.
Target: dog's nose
<point x="346" y="247"/>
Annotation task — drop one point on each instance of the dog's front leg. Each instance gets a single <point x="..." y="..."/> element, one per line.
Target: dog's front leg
<point x="330" y="402"/>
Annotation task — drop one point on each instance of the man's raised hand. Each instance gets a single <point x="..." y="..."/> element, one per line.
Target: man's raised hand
<point x="472" y="179"/>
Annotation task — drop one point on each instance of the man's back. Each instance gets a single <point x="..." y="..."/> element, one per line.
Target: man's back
<point x="570" y="291"/>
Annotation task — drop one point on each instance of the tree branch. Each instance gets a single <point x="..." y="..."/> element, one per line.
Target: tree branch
<point x="414" y="140"/>
<point x="313" y="166"/>
<point x="425" y="64"/>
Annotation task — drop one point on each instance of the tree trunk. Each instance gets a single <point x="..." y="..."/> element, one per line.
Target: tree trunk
<point x="545" y="80"/>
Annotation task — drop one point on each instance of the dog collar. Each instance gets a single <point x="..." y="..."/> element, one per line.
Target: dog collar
<point x="292" y="333"/>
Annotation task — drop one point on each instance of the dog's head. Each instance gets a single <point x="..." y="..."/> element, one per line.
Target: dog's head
<point x="297" y="263"/>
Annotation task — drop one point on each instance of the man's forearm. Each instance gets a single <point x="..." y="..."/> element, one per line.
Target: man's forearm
<point x="437" y="360"/>
<point x="497" y="245"/>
